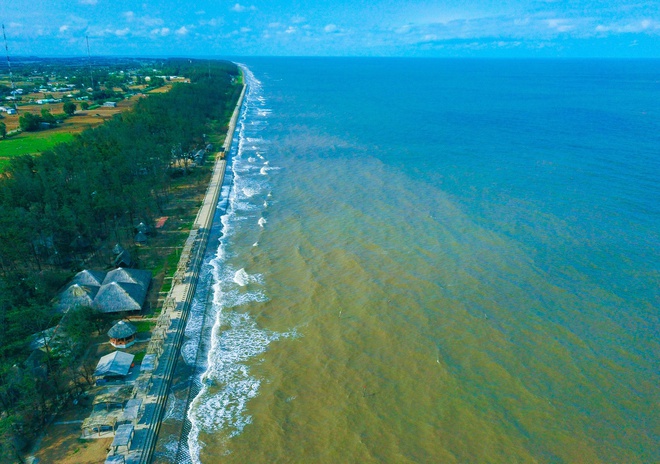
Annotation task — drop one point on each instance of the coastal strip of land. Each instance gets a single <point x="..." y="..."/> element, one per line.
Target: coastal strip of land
<point x="153" y="384"/>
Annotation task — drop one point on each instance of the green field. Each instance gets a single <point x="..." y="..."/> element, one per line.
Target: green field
<point x="30" y="143"/>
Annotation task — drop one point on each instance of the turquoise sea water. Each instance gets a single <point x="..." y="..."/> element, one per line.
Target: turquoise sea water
<point x="437" y="261"/>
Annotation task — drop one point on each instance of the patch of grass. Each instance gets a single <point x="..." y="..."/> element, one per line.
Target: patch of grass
<point x="143" y="326"/>
<point x="139" y="357"/>
<point x="28" y="143"/>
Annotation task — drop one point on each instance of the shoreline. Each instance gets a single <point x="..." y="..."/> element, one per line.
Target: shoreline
<point x="153" y="387"/>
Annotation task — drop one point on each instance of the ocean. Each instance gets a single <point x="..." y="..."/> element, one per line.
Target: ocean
<point x="435" y="261"/>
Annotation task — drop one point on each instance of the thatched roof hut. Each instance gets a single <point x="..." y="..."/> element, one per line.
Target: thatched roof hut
<point x="89" y="278"/>
<point x="129" y="276"/>
<point x="122" y="334"/>
<point x="76" y="295"/>
<point x="115" y="291"/>
<point x="123" y="290"/>
<point x="140" y="238"/>
<point x="122" y="329"/>
<point x="116" y="297"/>
<point x="123" y="259"/>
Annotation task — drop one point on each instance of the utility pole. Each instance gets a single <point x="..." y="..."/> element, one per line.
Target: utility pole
<point x="11" y="77"/>
<point x="89" y="61"/>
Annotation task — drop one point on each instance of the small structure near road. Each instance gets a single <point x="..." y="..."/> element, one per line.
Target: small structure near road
<point x="123" y="437"/>
<point x="122" y="334"/>
<point x="113" y="366"/>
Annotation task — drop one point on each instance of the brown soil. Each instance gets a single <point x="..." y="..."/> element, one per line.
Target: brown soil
<point x="63" y="445"/>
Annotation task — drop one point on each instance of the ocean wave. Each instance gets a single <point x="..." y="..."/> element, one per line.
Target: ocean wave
<point x="227" y="384"/>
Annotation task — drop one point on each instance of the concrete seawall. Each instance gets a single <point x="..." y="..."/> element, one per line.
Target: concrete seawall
<point x="153" y="384"/>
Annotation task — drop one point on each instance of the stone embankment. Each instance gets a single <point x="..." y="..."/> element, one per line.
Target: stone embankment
<point x="157" y="369"/>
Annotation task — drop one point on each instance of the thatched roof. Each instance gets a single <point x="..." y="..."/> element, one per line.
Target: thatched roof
<point x="115" y="363"/>
<point x="129" y="276"/>
<point x="122" y="329"/>
<point x="142" y="227"/>
<point x="140" y="237"/>
<point x="76" y="295"/>
<point x="123" y="259"/>
<point x="115" y="291"/>
<point x="89" y="278"/>
<point x="115" y="297"/>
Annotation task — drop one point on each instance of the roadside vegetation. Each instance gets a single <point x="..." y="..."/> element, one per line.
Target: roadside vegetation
<point x="63" y="210"/>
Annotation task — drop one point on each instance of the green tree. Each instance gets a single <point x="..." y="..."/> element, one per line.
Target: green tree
<point x="69" y="108"/>
<point x="3" y="130"/>
<point x="29" y="122"/>
<point x="46" y="116"/>
<point x="84" y="105"/>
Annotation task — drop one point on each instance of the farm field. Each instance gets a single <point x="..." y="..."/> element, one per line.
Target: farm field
<point x="37" y="142"/>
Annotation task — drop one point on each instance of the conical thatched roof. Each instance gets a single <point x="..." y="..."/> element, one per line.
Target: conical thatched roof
<point x="118" y="296"/>
<point x="122" y="329"/>
<point x="142" y="227"/>
<point x="129" y="276"/>
<point x="115" y="291"/>
<point x="89" y="278"/>
<point x="76" y="295"/>
<point x="123" y="259"/>
<point x="140" y="237"/>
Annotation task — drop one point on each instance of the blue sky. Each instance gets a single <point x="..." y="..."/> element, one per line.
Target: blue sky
<point x="480" y="28"/>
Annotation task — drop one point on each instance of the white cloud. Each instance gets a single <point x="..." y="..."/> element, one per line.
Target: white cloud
<point x="200" y="12"/>
<point x="298" y="19"/>
<point x="405" y="29"/>
<point x="64" y="28"/>
<point x="330" y="28"/>
<point x="213" y="22"/>
<point x="163" y="31"/>
<point x="639" y="26"/>
<point x="183" y="30"/>
<point x="150" y="22"/>
<point x="245" y="29"/>
<point x="122" y="32"/>
<point x="88" y="2"/>
<point x="560" y="25"/>
<point x="129" y="15"/>
<point x="290" y="30"/>
<point x="238" y="8"/>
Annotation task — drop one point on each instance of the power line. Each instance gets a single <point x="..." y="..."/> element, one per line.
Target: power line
<point x="11" y="77"/>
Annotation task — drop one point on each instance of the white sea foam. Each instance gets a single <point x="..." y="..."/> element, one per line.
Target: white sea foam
<point x="249" y="192"/>
<point x="227" y="383"/>
<point x="242" y="278"/>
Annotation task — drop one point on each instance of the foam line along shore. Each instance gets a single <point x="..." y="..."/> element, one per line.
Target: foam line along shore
<point x="153" y="387"/>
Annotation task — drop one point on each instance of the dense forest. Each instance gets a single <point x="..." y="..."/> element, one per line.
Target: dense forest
<point x="58" y="207"/>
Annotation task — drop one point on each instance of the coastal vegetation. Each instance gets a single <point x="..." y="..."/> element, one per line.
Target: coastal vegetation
<point x="64" y="209"/>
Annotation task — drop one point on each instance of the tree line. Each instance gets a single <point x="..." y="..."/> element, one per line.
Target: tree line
<point x="71" y="199"/>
